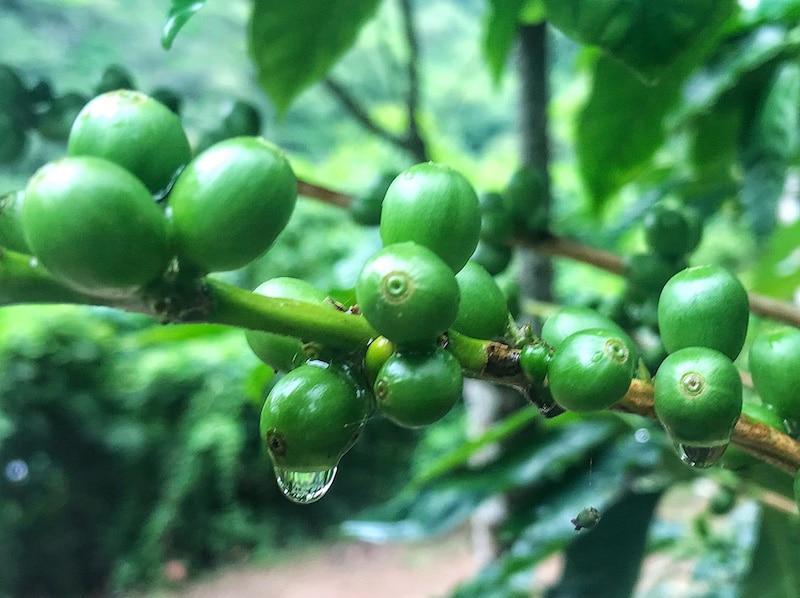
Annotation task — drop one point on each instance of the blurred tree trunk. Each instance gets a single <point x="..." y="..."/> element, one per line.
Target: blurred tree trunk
<point x="536" y="274"/>
<point x="488" y="403"/>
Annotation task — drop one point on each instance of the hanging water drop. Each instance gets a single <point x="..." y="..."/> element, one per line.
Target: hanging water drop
<point x="304" y="487"/>
<point x="699" y="456"/>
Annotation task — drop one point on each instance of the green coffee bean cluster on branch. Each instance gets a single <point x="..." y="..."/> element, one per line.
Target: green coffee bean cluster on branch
<point x="130" y="218"/>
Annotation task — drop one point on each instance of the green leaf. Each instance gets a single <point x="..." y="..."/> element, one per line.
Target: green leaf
<point x="499" y="31"/>
<point x="295" y="44"/>
<point x="778" y="271"/>
<point x="179" y="14"/>
<point x="649" y="37"/>
<point x="620" y="126"/>
<point x="774" y="572"/>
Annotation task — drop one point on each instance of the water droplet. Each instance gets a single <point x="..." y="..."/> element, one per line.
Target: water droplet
<point x="700" y="456"/>
<point x="304" y="487"/>
<point x="33" y="262"/>
<point x="642" y="435"/>
<point x="16" y="470"/>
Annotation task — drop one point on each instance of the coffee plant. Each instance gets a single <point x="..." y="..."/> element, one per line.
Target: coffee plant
<point x="681" y="360"/>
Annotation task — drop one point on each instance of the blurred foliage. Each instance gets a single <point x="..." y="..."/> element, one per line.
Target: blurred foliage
<point x="123" y="446"/>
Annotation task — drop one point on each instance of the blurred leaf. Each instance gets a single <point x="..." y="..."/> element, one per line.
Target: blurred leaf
<point x="775" y="128"/>
<point x="543" y="526"/>
<point x="157" y="335"/>
<point x="538" y="458"/>
<point x="771" y="144"/>
<point x="728" y="67"/>
<point x="499" y="31"/>
<point x="762" y="187"/>
<point x="715" y="142"/>
<point x="294" y="44"/>
<point x="620" y="126"/>
<point x="769" y="11"/>
<point x="593" y="566"/>
<point x="498" y="432"/>
<point x="256" y="384"/>
<point x="417" y="515"/>
<point x="648" y="37"/>
<point x="726" y="553"/>
<point x="6" y="427"/>
<point x="179" y="14"/>
<point x="774" y="572"/>
<point x="442" y="503"/>
<point x="778" y="271"/>
<point x="533" y="12"/>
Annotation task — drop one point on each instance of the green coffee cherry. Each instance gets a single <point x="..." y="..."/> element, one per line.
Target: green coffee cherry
<point x="649" y="272"/>
<point x="482" y="309"/>
<point x="311" y="417"/>
<point x="722" y="502"/>
<point x="737" y="459"/>
<point x="13" y="140"/>
<point x="524" y="197"/>
<point x="591" y="370"/>
<point x="230" y="203"/>
<point x="56" y="123"/>
<point x="496" y="221"/>
<point x="704" y="306"/>
<point x="365" y="208"/>
<point x="534" y="359"/>
<point x="774" y="360"/>
<point x="378" y="351"/>
<point x="495" y="258"/>
<point x="242" y="120"/>
<point x="407" y="293"/>
<point x="698" y="397"/>
<point x="95" y="226"/>
<point x="114" y="77"/>
<point x="418" y="388"/>
<point x="435" y="206"/>
<point x="15" y="105"/>
<point x="672" y="230"/>
<point x="136" y="132"/>
<point x="12" y="235"/>
<point x="284" y="353"/>
<point x="571" y="319"/>
<point x="168" y="97"/>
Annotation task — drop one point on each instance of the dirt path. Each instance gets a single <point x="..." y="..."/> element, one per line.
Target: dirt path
<point x="352" y="570"/>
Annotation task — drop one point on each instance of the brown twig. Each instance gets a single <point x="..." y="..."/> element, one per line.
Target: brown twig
<point x="762" y="441"/>
<point x="411" y="140"/>
<point x="361" y="115"/>
<point x="323" y="194"/>
<point x="415" y="143"/>
<point x="551" y="245"/>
